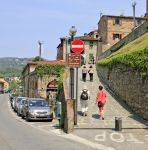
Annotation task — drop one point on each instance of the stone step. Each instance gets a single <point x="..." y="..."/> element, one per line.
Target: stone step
<point x="112" y="108"/>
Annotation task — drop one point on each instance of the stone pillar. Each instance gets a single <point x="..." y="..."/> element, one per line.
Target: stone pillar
<point x="69" y="116"/>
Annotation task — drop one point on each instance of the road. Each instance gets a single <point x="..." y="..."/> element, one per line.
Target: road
<point x="17" y="134"/>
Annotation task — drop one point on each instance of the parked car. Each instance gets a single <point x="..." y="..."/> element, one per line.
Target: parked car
<point x="37" y="109"/>
<point x="11" y="98"/>
<point x="20" y="106"/>
<point x="1" y="91"/>
<point x="16" y="102"/>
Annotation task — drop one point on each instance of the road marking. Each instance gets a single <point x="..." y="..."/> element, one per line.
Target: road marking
<point x="146" y="137"/>
<point x="42" y="126"/>
<point x="31" y="123"/>
<point x="86" y="142"/>
<point x="132" y="139"/>
<point x="101" y="137"/>
<point x="120" y="138"/>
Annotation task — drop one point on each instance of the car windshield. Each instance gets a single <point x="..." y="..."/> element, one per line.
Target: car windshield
<point x="19" y="99"/>
<point x="38" y="103"/>
<point x="22" y="101"/>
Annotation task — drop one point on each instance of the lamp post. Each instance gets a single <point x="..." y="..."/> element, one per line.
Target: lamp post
<point x="72" y="33"/>
<point x="40" y="49"/>
<point x="134" y="20"/>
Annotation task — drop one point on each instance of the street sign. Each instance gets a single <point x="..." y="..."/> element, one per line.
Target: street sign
<point x="77" y="46"/>
<point x="74" y="60"/>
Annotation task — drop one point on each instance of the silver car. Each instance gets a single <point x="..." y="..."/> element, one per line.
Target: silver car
<point x="37" y="109"/>
<point x="20" y="106"/>
<point x="16" y="102"/>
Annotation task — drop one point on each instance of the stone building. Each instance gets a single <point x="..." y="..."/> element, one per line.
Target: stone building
<point x="111" y="29"/>
<point x="90" y="46"/>
<point x="4" y="85"/>
<point x="35" y="86"/>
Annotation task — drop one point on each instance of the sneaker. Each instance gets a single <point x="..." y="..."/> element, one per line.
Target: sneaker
<point x="83" y="114"/>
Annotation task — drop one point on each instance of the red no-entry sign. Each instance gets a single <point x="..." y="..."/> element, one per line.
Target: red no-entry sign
<point x="77" y="46"/>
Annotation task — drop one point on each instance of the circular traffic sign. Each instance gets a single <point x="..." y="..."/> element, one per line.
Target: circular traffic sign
<point x="77" y="46"/>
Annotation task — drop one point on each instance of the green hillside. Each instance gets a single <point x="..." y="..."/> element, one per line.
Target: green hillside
<point x="10" y="66"/>
<point x="134" y="54"/>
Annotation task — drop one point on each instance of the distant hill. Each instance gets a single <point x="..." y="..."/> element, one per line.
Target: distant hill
<point x="12" y="66"/>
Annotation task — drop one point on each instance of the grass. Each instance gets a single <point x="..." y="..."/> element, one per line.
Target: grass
<point x="134" y="54"/>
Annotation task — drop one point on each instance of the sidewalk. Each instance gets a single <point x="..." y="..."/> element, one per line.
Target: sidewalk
<point x="112" y="109"/>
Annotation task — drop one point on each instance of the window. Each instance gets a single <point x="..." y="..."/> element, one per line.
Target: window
<point x="90" y="45"/>
<point x="117" y="36"/>
<point x="117" y="21"/>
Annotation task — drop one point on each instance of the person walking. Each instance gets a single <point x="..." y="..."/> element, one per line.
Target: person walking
<point x="101" y="100"/>
<point x="84" y="97"/>
<point x="91" y="72"/>
<point x="84" y="73"/>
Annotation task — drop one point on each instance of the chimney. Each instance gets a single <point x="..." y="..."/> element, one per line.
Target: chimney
<point x="85" y="34"/>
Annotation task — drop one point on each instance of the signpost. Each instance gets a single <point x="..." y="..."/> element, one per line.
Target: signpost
<point x="74" y="60"/>
<point x="77" y="46"/>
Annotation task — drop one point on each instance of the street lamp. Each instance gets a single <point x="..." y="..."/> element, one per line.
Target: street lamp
<point x="72" y="33"/>
<point x="134" y="20"/>
<point x="40" y="49"/>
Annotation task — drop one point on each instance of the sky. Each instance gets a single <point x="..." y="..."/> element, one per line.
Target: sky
<point x="24" y="22"/>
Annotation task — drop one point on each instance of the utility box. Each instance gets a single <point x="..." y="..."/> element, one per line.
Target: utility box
<point x="59" y="110"/>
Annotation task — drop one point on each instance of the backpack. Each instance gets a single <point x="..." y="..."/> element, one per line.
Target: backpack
<point x="84" y="95"/>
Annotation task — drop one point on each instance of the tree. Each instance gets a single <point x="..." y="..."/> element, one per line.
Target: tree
<point x="37" y="58"/>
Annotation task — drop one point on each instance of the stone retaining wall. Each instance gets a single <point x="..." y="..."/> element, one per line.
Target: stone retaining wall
<point x="128" y="85"/>
<point x="130" y="37"/>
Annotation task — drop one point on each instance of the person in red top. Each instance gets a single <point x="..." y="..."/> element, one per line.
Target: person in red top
<point x="101" y="96"/>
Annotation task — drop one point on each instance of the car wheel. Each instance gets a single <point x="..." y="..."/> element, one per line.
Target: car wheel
<point x="50" y="120"/>
<point x="27" y="117"/>
<point x="18" y="113"/>
<point x="22" y="116"/>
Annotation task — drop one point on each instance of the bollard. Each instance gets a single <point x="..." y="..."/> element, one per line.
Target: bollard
<point x="118" y="124"/>
<point x="59" y="112"/>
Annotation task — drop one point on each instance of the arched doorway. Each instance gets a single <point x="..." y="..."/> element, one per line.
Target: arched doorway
<point x="52" y="92"/>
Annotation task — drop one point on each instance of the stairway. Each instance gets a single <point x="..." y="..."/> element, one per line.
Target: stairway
<point x="112" y="109"/>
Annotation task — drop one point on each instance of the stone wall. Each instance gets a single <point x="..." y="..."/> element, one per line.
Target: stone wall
<point x="128" y="85"/>
<point x="67" y="106"/>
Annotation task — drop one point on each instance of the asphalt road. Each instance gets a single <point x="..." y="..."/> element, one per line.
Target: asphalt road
<point x="17" y="134"/>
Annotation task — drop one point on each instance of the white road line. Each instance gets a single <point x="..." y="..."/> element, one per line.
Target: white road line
<point x="86" y="142"/>
<point x="138" y="142"/>
<point x="42" y="126"/>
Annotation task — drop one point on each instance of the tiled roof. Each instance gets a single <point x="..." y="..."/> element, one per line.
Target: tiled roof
<point x="2" y="80"/>
<point x="44" y="62"/>
<point x="127" y="17"/>
<point x="87" y="38"/>
<point x="47" y="62"/>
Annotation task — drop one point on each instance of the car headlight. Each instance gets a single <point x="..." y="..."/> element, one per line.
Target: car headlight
<point x="49" y="112"/>
<point x="31" y="112"/>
